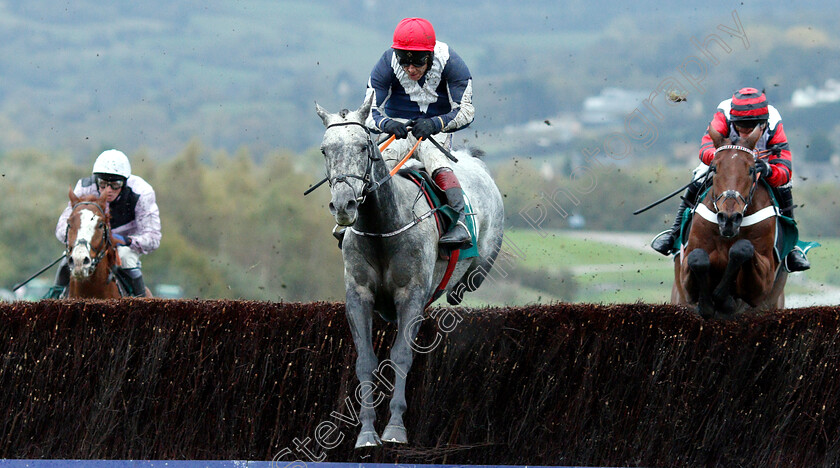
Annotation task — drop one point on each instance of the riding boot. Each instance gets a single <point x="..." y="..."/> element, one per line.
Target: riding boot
<point x="338" y="233"/>
<point x="62" y="280"/>
<point x="458" y="236"/>
<point x="664" y="241"/>
<point x="796" y="259"/>
<point x="138" y="287"/>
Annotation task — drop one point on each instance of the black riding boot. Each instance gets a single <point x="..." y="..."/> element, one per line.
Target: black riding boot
<point x="796" y="259"/>
<point x="338" y="233"/>
<point x="664" y="241"/>
<point x="62" y="280"/>
<point x="457" y="236"/>
<point x="138" y="287"/>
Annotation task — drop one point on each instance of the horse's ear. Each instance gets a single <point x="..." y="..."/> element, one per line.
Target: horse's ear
<point x="325" y="116"/>
<point x="102" y="200"/>
<point x="716" y="136"/>
<point x="753" y="137"/>
<point x="73" y="198"/>
<point x="364" y="110"/>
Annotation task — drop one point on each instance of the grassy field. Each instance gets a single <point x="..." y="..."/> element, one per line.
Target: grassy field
<point x="601" y="267"/>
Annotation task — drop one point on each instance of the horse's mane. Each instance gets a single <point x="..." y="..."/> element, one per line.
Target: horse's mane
<point x="477" y="153"/>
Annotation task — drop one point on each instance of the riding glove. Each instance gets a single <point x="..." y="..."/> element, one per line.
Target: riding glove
<point x="395" y="128"/>
<point x="424" y="128"/>
<point x="763" y="169"/>
<point x="126" y="241"/>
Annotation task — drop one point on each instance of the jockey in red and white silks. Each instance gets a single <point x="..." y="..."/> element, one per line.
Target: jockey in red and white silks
<point x="735" y="118"/>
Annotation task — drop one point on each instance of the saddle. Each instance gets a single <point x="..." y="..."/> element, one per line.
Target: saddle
<point x="787" y="234"/>
<point x="444" y="214"/>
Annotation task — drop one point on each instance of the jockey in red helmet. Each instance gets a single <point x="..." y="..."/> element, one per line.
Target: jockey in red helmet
<point x="738" y="117"/>
<point x="422" y="89"/>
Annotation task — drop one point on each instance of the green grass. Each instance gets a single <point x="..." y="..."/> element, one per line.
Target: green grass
<point x="559" y="249"/>
<point x="606" y="272"/>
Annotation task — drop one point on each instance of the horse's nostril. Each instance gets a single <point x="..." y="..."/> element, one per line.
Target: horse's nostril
<point x="737" y="218"/>
<point x="351" y="205"/>
<point x="721" y="218"/>
<point x="332" y="207"/>
<point x="86" y="261"/>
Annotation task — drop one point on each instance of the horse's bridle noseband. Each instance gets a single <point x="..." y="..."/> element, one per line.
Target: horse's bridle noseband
<point x="106" y="234"/>
<point x="370" y="185"/>
<point x="734" y="194"/>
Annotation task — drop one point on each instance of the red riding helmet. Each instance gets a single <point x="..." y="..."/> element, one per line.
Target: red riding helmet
<point x="414" y="34"/>
<point x="749" y="104"/>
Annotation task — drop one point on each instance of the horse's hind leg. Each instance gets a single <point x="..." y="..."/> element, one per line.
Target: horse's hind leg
<point x="402" y="355"/>
<point x="359" y="313"/>
<point x="740" y="252"/>
<point x="699" y="265"/>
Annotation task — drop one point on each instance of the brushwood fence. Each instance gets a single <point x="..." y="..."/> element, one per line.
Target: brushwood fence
<point x="571" y="384"/>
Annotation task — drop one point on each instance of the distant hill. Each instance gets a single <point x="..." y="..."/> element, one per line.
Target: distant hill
<point x="83" y="75"/>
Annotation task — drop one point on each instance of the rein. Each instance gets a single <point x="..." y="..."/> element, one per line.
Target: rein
<point x="734" y="194"/>
<point x="106" y="234"/>
<point x="758" y="216"/>
<point x="370" y="185"/>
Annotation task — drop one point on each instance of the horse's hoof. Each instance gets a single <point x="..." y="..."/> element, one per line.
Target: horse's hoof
<point x="368" y="439"/>
<point x="394" y="435"/>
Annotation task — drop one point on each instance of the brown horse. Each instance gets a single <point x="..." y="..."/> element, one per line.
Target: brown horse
<point x="728" y="264"/>
<point x="91" y="251"/>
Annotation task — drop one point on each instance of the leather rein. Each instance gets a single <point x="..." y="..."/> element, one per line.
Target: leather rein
<point x="370" y="185"/>
<point x="734" y="194"/>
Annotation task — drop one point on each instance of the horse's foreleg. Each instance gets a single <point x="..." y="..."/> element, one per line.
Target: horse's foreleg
<point x="740" y="252"/>
<point x="402" y="355"/>
<point x="697" y="281"/>
<point x="359" y="313"/>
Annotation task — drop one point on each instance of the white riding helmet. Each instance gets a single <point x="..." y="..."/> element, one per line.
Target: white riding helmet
<point x="112" y="162"/>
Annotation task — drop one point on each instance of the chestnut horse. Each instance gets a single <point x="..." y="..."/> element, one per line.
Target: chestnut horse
<point x="91" y="252"/>
<point x="728" y="264"/>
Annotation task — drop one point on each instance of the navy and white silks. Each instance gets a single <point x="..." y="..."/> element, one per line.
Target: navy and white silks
<point x="445" y="92"/>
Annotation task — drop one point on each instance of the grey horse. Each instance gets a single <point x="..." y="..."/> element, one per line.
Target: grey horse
<point x="391" y="258"/>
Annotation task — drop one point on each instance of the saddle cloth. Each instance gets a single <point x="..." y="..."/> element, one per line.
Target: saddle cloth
<point x="444" y="214"/>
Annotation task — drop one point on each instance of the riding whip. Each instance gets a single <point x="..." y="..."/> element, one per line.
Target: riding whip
<point x="19" y="285"/>
<point x="443" y="150"/>
<point x="666" y="197"/>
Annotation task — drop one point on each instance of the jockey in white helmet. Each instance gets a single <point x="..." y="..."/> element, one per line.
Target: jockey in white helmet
<point x="135" y="218"/>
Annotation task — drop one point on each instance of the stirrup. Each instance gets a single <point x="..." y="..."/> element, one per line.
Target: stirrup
<point x="671" y="248"/>
<point x="449" y="240"/>
<point x="802" y="259"/>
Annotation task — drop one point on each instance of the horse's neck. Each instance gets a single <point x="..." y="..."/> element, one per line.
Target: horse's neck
<point x="761" y="199"/>
<point x="386" y="208"/>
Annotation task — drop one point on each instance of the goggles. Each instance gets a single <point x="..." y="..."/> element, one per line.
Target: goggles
<point x="748" y="124"/>
<point x="114" y="184"/>
<point x="407" y="58"/>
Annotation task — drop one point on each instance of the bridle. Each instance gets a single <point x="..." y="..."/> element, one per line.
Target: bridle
<point x="734" y="194"/>
<point x="369" y="185"/>
<point x="106" y="235"/>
